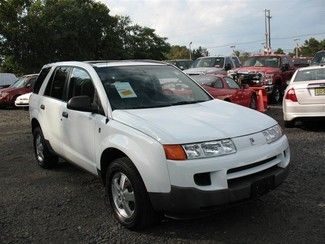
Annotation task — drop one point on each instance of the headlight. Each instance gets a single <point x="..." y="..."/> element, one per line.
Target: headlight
<point x="272" y="134"/>
<point x="209" y="149"/>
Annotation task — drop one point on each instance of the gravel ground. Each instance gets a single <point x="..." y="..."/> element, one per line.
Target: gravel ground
<point x="66" y="204"/>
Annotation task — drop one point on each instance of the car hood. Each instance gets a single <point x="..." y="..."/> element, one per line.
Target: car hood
<point x="198" y="122"/>
<point x="253" y="69"/>
<point x="202" y="70"/>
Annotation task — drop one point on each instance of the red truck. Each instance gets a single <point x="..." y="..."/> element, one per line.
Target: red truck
<point x="271" y="71"/>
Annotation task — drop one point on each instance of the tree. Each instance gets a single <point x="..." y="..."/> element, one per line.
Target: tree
<point x="200" y="52"/>
<point x="178" y="52"/>
<point x="279" y="51"/>
<point x="36" y="32"/>
<point x="311" y="46"/>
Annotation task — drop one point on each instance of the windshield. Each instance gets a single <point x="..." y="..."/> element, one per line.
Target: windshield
<point x="319" y="58"/>
<point x="208" y="62"/>
<point x="149" y="86"/>
<point x="263" y="61"/>
<point x="310" y="74"/>
<point x="21" y="82"/>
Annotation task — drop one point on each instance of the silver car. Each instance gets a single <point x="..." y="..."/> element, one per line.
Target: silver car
<point x="305" y="95"/>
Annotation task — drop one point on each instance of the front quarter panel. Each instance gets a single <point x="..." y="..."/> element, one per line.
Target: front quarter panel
<point x="146" y="153"/>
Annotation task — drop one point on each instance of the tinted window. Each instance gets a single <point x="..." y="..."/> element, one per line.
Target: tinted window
<point x="55" y="87"/>
<point x="231" y="83"/>
<point x="80" y="84"/>
<point x="40" y="79"/>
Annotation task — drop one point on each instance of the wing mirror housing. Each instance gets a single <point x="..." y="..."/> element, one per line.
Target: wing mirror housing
<point x="80" y="103"/>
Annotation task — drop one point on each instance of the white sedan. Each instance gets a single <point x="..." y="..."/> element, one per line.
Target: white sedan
<point x="305" y="95"/>
<point x="23" y="100"/>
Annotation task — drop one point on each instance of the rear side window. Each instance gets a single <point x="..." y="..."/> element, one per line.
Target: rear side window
<point x="56" y="87"/>
<point x="40" y="79"/>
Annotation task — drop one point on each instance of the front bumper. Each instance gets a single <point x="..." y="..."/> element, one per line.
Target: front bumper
<point x="189" y="200"/>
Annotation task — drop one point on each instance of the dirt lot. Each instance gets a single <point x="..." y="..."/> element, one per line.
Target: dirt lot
<point x="67" y="204"/>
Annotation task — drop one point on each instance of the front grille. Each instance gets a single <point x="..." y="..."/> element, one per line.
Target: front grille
<point x="249" y="166"/>
<point x="248" y="78"/>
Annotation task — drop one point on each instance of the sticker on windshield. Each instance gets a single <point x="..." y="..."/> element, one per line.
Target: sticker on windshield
<point x="124" y="89"/>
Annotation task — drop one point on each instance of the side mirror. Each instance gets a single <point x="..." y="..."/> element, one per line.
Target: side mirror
<point x="228" y="67"/>
<point x="28" y="85"/>
<point x="285" y="67"/>
<point x="80" y="103"/>
<point x="245" y="86"/>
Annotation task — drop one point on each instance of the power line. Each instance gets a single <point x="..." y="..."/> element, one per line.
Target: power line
<point x="259" y="41"/>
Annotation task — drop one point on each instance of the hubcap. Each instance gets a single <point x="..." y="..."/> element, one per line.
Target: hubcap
<point x="39" y="148"/>
<point x="123" y="195"/>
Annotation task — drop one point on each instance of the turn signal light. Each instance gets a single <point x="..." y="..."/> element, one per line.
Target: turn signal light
<point x="291" y="95"/>
<point x="175" y="152"/>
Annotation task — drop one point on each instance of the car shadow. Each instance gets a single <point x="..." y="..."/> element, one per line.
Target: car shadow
<point x="312" y="125"/>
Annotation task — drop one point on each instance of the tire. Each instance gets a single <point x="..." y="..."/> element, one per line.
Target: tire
<point x="253" y="102"/>
<point x="44" y="157"/>
<point x="289" y="124"/>
<point x="276" y="95"/>
<point x="131" y="207"/>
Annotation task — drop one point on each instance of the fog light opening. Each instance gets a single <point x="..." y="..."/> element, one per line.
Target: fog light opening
<point x="202" y="179"/>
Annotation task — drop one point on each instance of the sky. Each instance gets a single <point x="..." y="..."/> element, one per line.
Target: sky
<point x="219" y="24"/>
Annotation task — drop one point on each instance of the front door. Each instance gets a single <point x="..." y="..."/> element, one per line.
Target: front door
<point x="80" y="128"/>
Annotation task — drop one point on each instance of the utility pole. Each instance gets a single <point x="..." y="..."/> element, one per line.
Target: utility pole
<point x="297" y="46"/>
<point x="268" y="29"/>
<point x="190" y="50"/>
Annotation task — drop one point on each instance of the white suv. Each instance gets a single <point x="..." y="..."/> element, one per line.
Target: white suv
<point x="157" y="148"/>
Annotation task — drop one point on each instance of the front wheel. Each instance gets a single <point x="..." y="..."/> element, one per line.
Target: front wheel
<point x="276" y="95"/>
<point x="128" y="196"/>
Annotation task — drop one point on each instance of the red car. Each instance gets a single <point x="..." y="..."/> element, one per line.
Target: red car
<point x="21" y="86"/>
<point x="225" y="88"/>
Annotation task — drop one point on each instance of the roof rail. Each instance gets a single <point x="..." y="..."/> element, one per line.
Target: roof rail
<point x="125" y="60"/>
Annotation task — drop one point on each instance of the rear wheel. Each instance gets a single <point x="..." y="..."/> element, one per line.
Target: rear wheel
<point x="128" y="196"/>
<point x="44" y="157"/>
<point x="253" y="102"/>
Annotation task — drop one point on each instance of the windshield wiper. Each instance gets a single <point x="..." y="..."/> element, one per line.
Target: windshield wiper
<point x="188" y="102"/>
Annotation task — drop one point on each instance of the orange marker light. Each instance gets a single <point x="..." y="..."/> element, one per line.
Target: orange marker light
<point x="175" y="152"/>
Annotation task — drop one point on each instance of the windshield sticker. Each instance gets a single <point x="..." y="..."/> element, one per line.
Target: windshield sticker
<point x="124" y="89"/>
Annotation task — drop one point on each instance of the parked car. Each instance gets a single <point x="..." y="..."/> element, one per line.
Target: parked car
<point x="181" y="63"/>
<point x="301" y="62"/>
<point x="213" y="65"/>
<point x="21" y="86"/>
<point x="319" y="58"/>
<point x="225" y="88"/>
<point x="271" y="71"/>
<point x="156" y="153"/>
<point x="23" y="100"/>
<point x="6" y="79"/>
<point x="305" y="95"/>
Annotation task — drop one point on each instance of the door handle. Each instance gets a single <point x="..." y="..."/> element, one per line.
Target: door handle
<point x="65" y="114"/>
<point x="42" y="106"/>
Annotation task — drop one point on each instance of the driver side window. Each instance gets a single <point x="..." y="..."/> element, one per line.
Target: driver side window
<point x="81" y="85"/>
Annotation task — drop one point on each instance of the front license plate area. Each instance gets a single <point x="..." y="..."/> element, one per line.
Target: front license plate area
<point x="319" y="91"/>
<point x="262" y="186"/>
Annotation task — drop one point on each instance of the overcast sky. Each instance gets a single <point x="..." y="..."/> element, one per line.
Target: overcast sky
<point x="216" y="23"/>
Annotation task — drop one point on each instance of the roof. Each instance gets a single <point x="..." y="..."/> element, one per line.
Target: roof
<point x="109" y="63"/>
<point x="312" y="67"/>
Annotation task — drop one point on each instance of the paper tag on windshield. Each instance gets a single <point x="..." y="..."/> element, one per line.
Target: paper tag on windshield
<point x="124" y="89"/>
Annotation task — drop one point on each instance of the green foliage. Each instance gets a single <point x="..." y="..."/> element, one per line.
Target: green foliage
<point x="200" y="52"/>
<point x="36" y="32"/>
<point x="178" y="52"/>
<point x="279" y="51"/>
<point x="311" y="46"/>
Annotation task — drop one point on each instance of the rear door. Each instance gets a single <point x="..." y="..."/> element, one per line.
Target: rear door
<point x="51" y="106"/>
<point x="80" y="128"/>
<point x="311" y="90"/>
